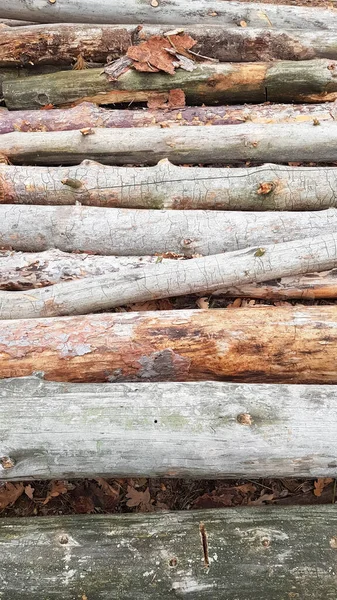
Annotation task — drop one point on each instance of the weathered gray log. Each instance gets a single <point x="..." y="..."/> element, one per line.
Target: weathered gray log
<point x="123" y="232"/>
<point x="28" y="270"/>
<point x="209" y="83"/>
<point x="290" y="344"/>
<point x="173" y="11"/>
<point x="17" y="23"/>
<point x="254" y="142"/>
<point x="269" y="187"/>
<point x="175" y="278"/>
<point x="90" y="115"/>
<point x="61" y="430"/>
<point x="62" y="44"/>
<point x="198" y="554"/>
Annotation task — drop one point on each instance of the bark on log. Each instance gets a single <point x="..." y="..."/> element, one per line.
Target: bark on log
<point x="15" y="73"/>
<point x="196" y="276"/>
<point x="198" y="554"/>
<point x="258" y="143"/>
<point x="62" y="44"/>
<point x="282" y="81"/>
<point x="26" y="270"/>
<point x="173" y="12"/>
<point x="16" y="23"/>
<point x="123" y="232"/>
<point x="90" y="115"/>
<point x="48" y="430"/>
<point x="256" y="344"/>
<point x="166" y="186"/>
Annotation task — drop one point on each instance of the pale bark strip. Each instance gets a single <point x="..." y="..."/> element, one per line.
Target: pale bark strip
<point x="210" y="83"/>
<point x="27" y="270"/>
<point x="62" y="44"/>
<point x="301" y="142"/>
<point x="290" y="344"/>
<point x="126" y="232"/>
<point x="166" y="186"/>
<point x="90" y="115"/>
<point x="173" y="12"/>
<point x="157" y="429"/>
<point x="175" y="278"/>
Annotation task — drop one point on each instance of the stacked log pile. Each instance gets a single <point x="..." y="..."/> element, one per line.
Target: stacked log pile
<point x="206" y="167"/>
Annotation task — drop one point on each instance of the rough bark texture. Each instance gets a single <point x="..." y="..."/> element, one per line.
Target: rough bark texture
<point x="87" y="114"/>
<point x="13" y="23"/>
<point x="282" y="81"/>
<point x="181" y="145"/>
<point x="257" y="344"/>
<point x="269" y="187"/>
<point x="173" y="12"/>
<point x="62" y="430"/>
<point x="155" y="281"/>
<point x="14" y="73"/>
<point x="62" y="44"/>
<point x="123" y="232"/>
<point x="27" y="270"/>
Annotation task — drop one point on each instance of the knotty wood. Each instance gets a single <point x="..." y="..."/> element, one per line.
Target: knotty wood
<point x="290" y="344"/>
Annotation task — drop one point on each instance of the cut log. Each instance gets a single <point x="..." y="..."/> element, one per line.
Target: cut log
<point x="123" y="232"/>
<point x="196" y="276"/>
<point x="269" y="187"/>
<point x="14" y="73"/>
<point x="26" y="270"/>
<point x="258" y="143"/>
<point x="291" y="344"/>
<point x="283" y="81"/>
<point x="198" y="554"/>
<point x="90" y="115"/>
<point x="61" y="430"/>
<point x="62" y="44"/>
<point x="13" y="23"/>
<point x="173" y="12"/>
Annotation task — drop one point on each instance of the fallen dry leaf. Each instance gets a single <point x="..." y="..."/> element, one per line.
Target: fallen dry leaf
<point x="213" y="501"/>
<point x="107" y="488"/>
<point x="29" y="491"/>
<point x="142" y="500"/>
<point x="202" y="303"/>
<point x="9" y="493"/>
<point x="152" y="55"/>
<point x="262" y="499"/>
<point x="173" y="99"/>
<point x="320" y="484"/>
<point x="56" y="489"/>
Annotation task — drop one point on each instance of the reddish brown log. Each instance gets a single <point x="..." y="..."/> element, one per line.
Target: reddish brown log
<point x="87" y="114"/>
<point x="262" y="344"/>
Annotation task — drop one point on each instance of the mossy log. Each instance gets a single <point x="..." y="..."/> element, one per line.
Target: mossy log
<point x="123" y="232"/>
<point x="267" y="344"/>
<point x="174" y="278"/>
<point x="62" y="44"/>
<point x="87" y="114"/>
<point x="29" y="270"/>
<point x="282" y="81"/>
<point x="258" y="143"/>
<point x="15" y="73"/>
<point x="166" y="186"/>
<point x="59" y="430"/>
<point x="173" y="12"/>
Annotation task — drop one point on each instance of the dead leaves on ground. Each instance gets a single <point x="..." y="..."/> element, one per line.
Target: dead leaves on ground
<point x="320" y="484"/>
<point x="9" y="493"/>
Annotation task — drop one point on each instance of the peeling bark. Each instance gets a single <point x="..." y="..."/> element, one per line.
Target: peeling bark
<point x="282" y="81"/>
<point x="301" y="142"/>
<point x="166" y="186"/>
<point x="123" y="232"/>
<point x="258" y="344"/>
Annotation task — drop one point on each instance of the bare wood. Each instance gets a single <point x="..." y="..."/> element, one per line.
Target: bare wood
<point x="269" y="187"/>
<point x="90" y="115"/>
<point x="27" y="270"/>
<point x="301" y="142"/>
<point x="62" y="44"/>
<point x="210" y="83"/>
<point x="173" y="11"/>
<point x="154" y="281"/>
<point x="122" y="232"/>
<point x="52" y="430"/>
<point x="290" y="344"/>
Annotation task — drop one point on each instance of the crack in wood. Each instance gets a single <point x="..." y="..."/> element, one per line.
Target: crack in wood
<point x="204" y="542"/>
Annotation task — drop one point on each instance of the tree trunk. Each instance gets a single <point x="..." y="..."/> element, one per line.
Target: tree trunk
<point x="258" y="143"/>
<point x="25" y="270"/>
<point x="90" y="115"/>
<point x="283" y="81"/>
<point x="256" y="344"/>
<point x="160" y="430"/>
<point x="62" y="44"/>
<point x="172" y="12"/>
<point x="175" y="278"/>
<point x="269" y="187"/>
<point x="122" y="232"/>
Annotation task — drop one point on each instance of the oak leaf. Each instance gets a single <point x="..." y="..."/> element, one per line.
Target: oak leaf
<point x="320" y="484"/>
<point x="56" y="489"/>
<point x="9" y="493"/>
<point x="142" y="500"/>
